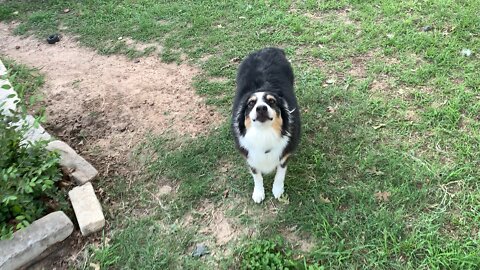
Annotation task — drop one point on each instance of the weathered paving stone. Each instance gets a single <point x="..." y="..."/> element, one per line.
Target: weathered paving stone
<point x="82" y="171"/>
<point x="30" y="242"/>
<point x="87" y="209"/>
<point x="8" y="97"/>
<point x="35" y="133"/>
<point x="8" y="104"/>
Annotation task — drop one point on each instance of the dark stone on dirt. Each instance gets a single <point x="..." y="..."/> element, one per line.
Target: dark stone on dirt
<point x="122" y="127"/>
<point x="17" y="47"/>
<point x="52" y="39"/>
<point x="427" y="28"/>
<point x="136" y="61"/>
<point x="200" y="250"/>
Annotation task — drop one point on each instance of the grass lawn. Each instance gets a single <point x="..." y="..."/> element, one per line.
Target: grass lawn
<point x="387" y="174"/>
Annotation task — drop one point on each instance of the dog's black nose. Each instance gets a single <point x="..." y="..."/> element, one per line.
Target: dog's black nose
<point x="261" y="109"/>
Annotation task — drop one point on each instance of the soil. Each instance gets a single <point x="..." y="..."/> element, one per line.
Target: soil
<point x="104" y="106"/>
<point x="108" y="103"/>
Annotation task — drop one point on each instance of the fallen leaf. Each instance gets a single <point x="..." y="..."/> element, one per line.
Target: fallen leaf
<point x="375" y="171"/>
<point x="379" y="126"/>
<point x="382" y="196"/>
<point x="284" y="199"/>
<point x="324" y="199"/>
<point x="331" y="109"/>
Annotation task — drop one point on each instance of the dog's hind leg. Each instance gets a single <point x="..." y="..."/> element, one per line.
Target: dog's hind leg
<point x="258" y="190"/>
<point x="277" y="188"/>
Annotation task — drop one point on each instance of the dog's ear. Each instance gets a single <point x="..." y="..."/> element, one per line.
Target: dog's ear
<point x="285" y="113"/>
<point x="240" y="115"/>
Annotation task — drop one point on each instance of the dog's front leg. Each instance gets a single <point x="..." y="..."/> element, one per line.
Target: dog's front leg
<point x="258" y="191"/>
<point x="277" y="189"/>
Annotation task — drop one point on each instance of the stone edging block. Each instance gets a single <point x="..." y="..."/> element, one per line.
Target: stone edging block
<point x="81" y="171"/>
<point x="87" y="209"/>
<point x="30" y="242"/>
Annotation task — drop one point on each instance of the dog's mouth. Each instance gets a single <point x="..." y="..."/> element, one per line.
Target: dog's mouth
<point x="262" y="118"/>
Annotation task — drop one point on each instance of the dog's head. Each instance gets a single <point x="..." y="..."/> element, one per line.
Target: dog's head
<point x="263" y="109"/>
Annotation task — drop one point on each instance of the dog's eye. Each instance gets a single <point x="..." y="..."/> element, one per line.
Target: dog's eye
<point x="271" y="101"/>
<point x="251" y="103"/>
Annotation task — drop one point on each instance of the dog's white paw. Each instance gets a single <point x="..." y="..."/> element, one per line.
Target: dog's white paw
<point x="258" y="195"/>
<point x="277" y="191"/>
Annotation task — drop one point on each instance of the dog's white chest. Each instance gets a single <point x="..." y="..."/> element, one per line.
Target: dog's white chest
<point x="264" y="147"/>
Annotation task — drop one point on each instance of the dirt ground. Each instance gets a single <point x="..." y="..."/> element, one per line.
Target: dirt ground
<point x="109" y="103"/>
<point x="103" y="106"/>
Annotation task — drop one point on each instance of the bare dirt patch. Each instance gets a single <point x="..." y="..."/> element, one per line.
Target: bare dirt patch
<point x="104" y="105"/>
<point x="298" y="241"/>
<point x="141" y="46"/>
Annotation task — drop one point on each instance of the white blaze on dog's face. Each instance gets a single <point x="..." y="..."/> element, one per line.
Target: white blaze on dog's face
<point x="262" y="110"/>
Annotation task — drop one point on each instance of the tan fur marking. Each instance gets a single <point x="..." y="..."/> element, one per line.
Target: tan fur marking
<point x="270" y="97"/>
<point x="247" y="122"/>
<point x="252" y="98"/>
<point x="277" y="124"/>
<point x="284" y="159"/>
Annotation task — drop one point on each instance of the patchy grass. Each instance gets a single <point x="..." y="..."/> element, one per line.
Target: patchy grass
<point x="387" y="172"/>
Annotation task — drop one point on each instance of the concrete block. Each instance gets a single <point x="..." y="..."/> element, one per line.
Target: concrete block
<point x="30" y="242"/>
<point x="82" y="171"/>
<point x="87" y="209"/>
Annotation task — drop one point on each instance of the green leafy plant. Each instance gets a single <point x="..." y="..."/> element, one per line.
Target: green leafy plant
<point x="271" y="254"/>
<point x="27" y="174"/>
<point x="27" y="177"/>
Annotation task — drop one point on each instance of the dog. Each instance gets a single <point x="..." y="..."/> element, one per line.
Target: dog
<point x="266" y="117"/>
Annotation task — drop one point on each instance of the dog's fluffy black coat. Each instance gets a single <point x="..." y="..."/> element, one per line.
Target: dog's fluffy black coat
<point x="269" y="73"/>
<point x="267" y="70"/>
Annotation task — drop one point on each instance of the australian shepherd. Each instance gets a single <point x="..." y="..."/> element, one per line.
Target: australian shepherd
<point x="266" y="117"/>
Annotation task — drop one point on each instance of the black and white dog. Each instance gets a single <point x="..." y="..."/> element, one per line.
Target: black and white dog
<point x="266" y="117"/>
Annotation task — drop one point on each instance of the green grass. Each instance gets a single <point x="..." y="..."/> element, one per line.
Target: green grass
<point x="409" y="125"/>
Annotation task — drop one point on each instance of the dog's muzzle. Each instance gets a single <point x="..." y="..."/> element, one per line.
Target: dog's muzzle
<point x="262" y="114"/>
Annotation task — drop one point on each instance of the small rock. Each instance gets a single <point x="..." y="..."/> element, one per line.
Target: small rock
<point x="330" y="81"/>
<point x="122" y="127"/>
<point x="67" y="10"/>
<point x="87" y="209"/>
<point x="200" y="250"/>
<point x="427" y="28"/>
<point x="15" y="13"/>
<point x="82" y="170"/>
<point x="136" y="61"/>
<point x="17" y="47"/>
<point x="164" y="190"/>
<point x="120" y="38"/>
<point x="466" y="52"/>
<point x="27" y="244"/>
